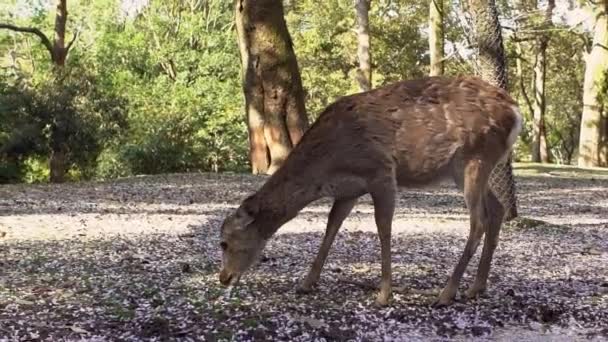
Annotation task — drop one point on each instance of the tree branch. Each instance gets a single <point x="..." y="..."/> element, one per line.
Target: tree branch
<point x="43" y="38"/>
<point x="67" y="48"/>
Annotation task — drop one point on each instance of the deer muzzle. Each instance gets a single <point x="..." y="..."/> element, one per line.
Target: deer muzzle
<point x="227" y="278"/>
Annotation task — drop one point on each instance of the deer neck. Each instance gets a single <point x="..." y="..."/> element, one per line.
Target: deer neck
<point x="282" y="197"/>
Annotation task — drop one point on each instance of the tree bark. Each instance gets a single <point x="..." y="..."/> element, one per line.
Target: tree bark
<point x="58" y="52"/>
<point x="364" y="73"/>
<point x="436" y="39"/>
<point x="492" y="67"/>
<point x="274" y="97"/>
<point x="59" y="147"/>
<point x="491" y="59"/>
<point x="540" y="150"/>
<point x="520" y="76"/>
<point x="593" y="139"/>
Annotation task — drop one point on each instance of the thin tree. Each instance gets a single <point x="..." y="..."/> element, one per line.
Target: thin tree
<point x="364" y="73"/>
<point x="592" y="150"/>
<point x="436" y="38"/>
<point x="58" y="51"/>
<point x="492" y="67"/>
<point x="540" y="150"/>
<point x="274" y="97"/>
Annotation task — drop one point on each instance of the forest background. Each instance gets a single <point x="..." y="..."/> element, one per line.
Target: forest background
<point x="102" y="89"/>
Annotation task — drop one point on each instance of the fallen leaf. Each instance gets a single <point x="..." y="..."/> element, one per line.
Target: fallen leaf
<point x="313" y="322"/>
<point x="78" y="330"/>
<point x="24" y="302"/>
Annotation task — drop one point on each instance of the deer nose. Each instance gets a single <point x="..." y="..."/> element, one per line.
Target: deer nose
<point x="225" y="277"/>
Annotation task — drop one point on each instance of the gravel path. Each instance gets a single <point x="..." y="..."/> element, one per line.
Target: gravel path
<point x="137" y="259"/>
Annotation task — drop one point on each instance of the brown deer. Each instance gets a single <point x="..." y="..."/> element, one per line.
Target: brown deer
<point x="410" y="133"/>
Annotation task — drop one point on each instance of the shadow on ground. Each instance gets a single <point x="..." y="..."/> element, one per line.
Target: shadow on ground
<point x="142" y="283"/>
<point x="165" y="286"/>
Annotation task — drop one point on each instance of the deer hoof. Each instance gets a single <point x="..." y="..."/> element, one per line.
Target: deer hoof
<point x="304" y="289"/>
<point x="474" y="292"/>
<point x="442" y="301"/>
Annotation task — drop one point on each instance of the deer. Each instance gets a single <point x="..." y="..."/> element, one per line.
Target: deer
<point x="408" y="133"/>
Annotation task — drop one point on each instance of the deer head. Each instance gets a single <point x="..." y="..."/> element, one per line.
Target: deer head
<point x="241" y="242"/>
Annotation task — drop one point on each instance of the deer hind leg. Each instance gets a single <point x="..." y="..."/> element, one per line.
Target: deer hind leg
<point x="339" y="211"/>
<point x="495" y="212"/>
<point x="383" y="197"/>
<point x="475" y="180"/>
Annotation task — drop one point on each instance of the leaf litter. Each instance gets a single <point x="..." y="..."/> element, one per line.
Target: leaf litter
<point x="137" y="259"/>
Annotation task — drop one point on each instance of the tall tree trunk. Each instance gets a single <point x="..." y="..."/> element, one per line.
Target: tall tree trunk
<point x="364" y="74"/>
<point x="274" y="97"/>
<point x="593" y="149"/>
<point x="519" y="72"/>
<point x="492" y="66"/>
<point x="58" y="143"/>
<point x="58" y="52"/>
<point x="540" y="150"/>
<point x="436" y="38"/>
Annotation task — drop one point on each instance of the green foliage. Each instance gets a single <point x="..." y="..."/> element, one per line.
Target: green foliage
<point x="159" y="89"/>
<point x="35" y="170"/>
<point x="66" y="100"/>
<point x="160" y="93"/>
<point x="564" y="84"/>
<point x="177" y="66"/>
<point x="326" y="45"/>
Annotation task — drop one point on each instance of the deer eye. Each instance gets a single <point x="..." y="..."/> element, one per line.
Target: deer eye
<point x="223" y="245"/>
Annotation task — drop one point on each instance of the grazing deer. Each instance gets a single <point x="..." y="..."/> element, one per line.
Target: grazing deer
<point x="410" y="133"/>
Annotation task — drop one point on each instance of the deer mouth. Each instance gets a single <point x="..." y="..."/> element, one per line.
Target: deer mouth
<point x="227" y="279"/>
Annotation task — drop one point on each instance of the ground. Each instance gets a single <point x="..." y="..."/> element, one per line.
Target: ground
<point x="137" y="259"/>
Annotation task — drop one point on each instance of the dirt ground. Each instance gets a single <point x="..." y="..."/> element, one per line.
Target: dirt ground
<point x="137" y="259"/>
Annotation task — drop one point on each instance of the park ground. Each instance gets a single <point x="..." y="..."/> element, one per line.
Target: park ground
<point x="137" y="259"/>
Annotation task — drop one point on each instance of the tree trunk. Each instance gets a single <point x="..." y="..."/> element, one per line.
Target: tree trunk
<point x="274" y="97"/>
<point x="59" y="53"/>
<point x="254" y="101"/>
<point x="593" y="149"/>
<point x="519" y="72"/>
<point x="436" y="37"/>
<point x="540" y="150"/>
<point x="491" y="60"/>
<point x="59" y="148"/>
<point x="364" y="73"/>
<point x="492" y="67"/>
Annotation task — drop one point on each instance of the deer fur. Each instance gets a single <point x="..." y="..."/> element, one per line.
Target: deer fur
<point x="410" y="133"/>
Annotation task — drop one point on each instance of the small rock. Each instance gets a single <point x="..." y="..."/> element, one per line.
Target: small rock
<point x="480" y="331"/>
<point x="186" y="268"/>
<point x="549" y="315"/>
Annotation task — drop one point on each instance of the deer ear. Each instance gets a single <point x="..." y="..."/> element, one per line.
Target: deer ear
<point x="246" y="213"/>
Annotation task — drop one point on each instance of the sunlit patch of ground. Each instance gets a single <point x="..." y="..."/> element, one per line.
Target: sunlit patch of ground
<point x="137" y="259"/>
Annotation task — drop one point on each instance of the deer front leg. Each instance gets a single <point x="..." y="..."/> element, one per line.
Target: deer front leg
<point x="495" y="213"/>
<point x="339" y="211"/>
<point x="384" y="208"/>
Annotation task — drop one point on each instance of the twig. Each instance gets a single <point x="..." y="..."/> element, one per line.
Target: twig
<point x="367" y="286"/>
<point x="67" y="49"/>
<point x="398" y="289"/>
<point x="43" y="38"/>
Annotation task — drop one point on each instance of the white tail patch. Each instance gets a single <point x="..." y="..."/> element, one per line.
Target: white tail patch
<point x="515" y="131"/>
